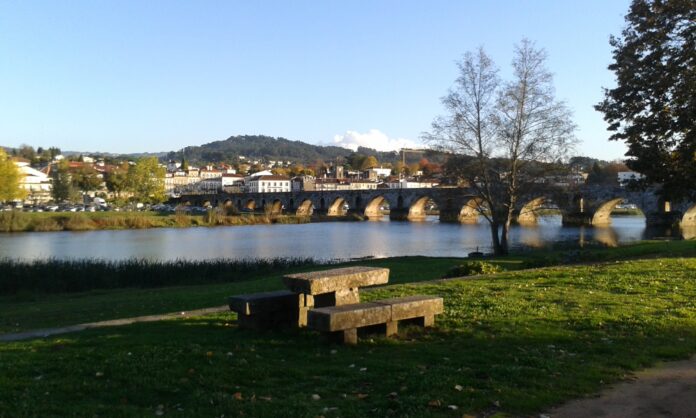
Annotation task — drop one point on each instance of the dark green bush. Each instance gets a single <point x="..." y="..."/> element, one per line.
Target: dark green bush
<point x="471" y="268"/>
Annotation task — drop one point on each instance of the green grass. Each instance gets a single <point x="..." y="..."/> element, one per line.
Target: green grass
<point x="213" y="282"/>
<point x="513" y="343"/>
<point x="27" y="310"/>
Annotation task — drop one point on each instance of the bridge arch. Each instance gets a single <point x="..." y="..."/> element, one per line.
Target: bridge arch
<point x="273" y="208"/>
<point x="305" y="208"/>
<point x="470" y="212"/>
<point x="418" y="210"/>
<point x="602" y="215"/>
<point x="373" y="209"/>
<point x="689" y="218"/>
<point x="529" y="213"/>
<point x="250" y="204"/>
<point x="337" y="206"/>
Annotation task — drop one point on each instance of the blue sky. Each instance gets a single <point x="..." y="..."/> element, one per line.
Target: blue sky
<point x="137" y="76"/>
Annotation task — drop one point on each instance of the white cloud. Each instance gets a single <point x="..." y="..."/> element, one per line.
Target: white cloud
<point x="373" y="138"/>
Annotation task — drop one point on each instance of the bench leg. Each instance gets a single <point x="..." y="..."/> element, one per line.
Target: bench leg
<point x="428" y="320"/>
<point x="392" y="328"/>
<point x="350" y="336"/>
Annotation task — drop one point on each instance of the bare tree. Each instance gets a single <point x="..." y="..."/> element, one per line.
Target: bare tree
<point x="508" y="133"/>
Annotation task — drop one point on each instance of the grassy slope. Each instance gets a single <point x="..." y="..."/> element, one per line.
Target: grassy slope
<point x="26" y="311"/>
<point x="517" y="343"/>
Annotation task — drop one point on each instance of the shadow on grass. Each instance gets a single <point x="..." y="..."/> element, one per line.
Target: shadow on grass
<point x="207" y="366"/>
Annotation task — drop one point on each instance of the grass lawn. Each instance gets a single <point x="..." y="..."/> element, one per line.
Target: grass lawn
<point x="514" y="343"/>
<point x="31" y="310"/>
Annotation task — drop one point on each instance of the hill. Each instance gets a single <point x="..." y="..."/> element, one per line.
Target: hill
<point x="269" y="148"/>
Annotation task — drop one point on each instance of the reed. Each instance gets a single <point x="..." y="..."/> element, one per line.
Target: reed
<point x="56" y="276"/>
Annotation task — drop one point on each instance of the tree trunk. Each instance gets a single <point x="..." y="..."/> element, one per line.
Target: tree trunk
<point x="504" y="238"/>
<point x="497" y="248"/>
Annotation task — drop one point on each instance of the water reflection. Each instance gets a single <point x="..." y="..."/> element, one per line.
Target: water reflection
<point x="331" y="240"/>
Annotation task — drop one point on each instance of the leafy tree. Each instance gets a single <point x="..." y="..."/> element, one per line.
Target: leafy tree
<point x="86" y="178"/>
<point x="652" y="107"/>
<point x="10" y="177"/>
<point x="54" y="152"/>
<point x="506" y="129"/>
<point x="62" y="188"/>
<point x="117" y="179"/>
<point x="146" y="180"/>
<point x="369" y="162"/>
<point x="399" y="168"/>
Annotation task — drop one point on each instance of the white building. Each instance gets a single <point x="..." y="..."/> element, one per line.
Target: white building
<point x="36" y="183"/>
<point x="380" y="172"/>
<point x="412" y="184"/>
<point x="268" y="184"/>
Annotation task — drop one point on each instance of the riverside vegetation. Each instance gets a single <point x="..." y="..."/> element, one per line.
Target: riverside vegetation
<point x="16" y="221"/>
<point x="514" y="342"/>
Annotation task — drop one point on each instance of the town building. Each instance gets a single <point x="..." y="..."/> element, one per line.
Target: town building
<point x="267" y="184"/>
<point x="412" y="184"/>
<point x="35" y="182"/>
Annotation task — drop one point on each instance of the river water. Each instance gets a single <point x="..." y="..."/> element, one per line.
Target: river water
<point x="326" y="240"/>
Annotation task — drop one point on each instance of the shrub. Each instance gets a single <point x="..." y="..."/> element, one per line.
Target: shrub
<point x="78" y="222"/>
<point x="13" y="221"/>
<point x="45" y="225"/>
<point x="472" y="267"/>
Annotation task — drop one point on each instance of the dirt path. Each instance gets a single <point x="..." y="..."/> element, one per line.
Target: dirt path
<point x="668" y="390"/>
<point x="42" y="333"/>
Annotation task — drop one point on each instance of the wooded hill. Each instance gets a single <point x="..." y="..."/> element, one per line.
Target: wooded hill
<point x="261" y="147"/>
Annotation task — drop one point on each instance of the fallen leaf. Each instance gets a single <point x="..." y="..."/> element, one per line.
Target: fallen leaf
<point x="238" y="396"/>
<point x="435" y="403"/>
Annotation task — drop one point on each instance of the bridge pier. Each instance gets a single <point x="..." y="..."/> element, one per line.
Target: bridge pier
<point x="577" y="219"/>
<point x="663" y="219"/>
<point x="458" y="216"/>
<point x="399" y="214"/>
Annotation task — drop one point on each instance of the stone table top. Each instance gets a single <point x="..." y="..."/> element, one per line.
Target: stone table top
<point x="326" y="281"/>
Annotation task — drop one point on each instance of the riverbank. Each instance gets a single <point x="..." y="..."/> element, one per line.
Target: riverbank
<point x="517" y="343"/>
<point x="17" y="221"/>
<point x="52" y="293"/>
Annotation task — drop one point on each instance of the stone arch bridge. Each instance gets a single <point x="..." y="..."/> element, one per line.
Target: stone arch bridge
<point x="589" y="205"/>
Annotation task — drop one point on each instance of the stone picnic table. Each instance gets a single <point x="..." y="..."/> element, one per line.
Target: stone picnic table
<point x="329" y="301"/>
<point x="335" y="287"/>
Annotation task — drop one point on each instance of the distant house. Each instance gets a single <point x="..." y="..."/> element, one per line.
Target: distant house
<point x="378" y="173"/>
<point x="412" y="184"/>
<point x="303" y="183"/>
<point x="36" y="183"/>
<point x="267" y="184"/>
<point x="363" y="185"/>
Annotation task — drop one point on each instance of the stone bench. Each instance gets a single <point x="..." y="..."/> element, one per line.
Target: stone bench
<point x="346" y="319"/>
<point x="267" y="309"/>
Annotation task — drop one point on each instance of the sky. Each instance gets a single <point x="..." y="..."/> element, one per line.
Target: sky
<point x="150" y="76"/>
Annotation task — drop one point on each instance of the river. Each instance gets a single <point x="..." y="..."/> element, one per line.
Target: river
<point x="326" y="240"/>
